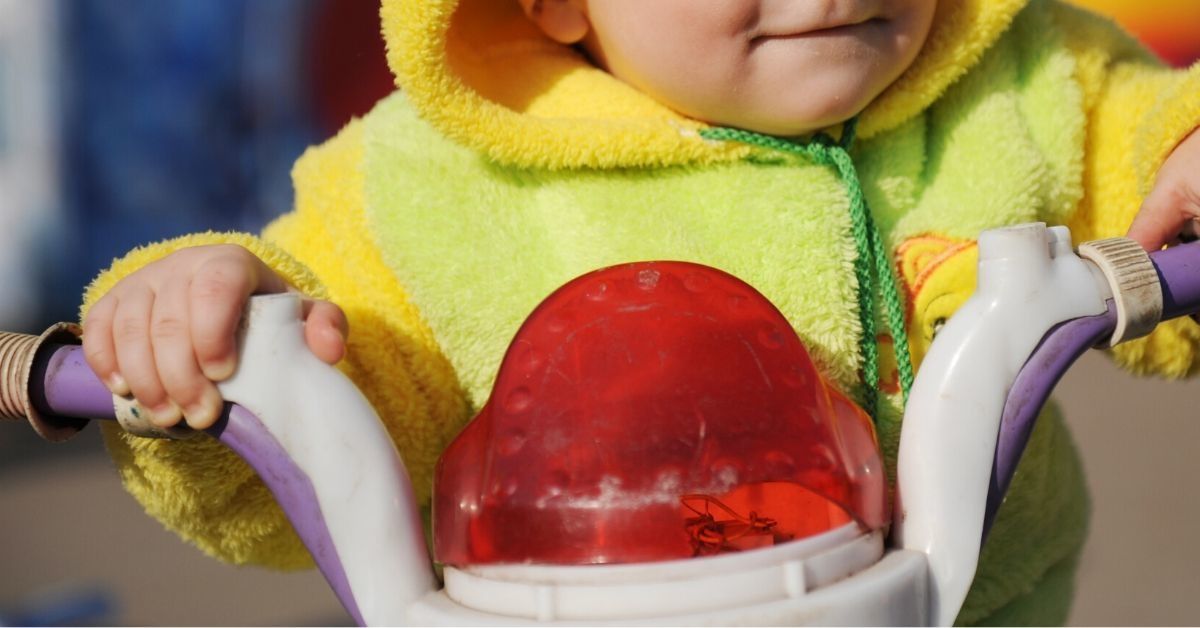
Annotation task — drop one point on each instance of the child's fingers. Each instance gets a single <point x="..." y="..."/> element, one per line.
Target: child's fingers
<point x="175" y="360"/>
<point x="1174" y="201"/>
<point x="218" y="293"/>
<point x="98" y="346"/>
<point x="135" y="355"/>
<point x="1160" y="219"/>
<point x="325" y="330"/>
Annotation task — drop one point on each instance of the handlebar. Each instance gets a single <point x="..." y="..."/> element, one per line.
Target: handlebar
<point x="63" y="385"/>
<point x="1178" y="270"/>
<point x="282" y="428"/>
<point x="47" y="380"/>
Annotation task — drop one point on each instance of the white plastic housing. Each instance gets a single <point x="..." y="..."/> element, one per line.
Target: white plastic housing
<point x="332" y="434"/>
<point x="607" y="592"/>
<point x="1029" y="280"/>
<point x="760" y="587"/>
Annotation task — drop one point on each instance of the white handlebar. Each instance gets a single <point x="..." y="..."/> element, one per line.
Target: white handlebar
<point x="1029" y="280"/>
<point x="333" y="435"/>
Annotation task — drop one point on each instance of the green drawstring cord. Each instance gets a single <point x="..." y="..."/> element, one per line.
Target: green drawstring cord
<point x="871" y="268"/>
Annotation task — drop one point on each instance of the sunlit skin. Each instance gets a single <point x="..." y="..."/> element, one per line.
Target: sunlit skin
<point x="783" y="67"/>
<point x="1172" y="208"/>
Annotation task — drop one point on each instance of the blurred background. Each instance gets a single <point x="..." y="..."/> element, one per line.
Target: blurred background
<point x="123" y="122"/>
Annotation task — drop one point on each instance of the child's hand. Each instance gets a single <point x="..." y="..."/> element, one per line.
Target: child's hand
<point x="1173" y="206"/>
<point x="167" y="332"/>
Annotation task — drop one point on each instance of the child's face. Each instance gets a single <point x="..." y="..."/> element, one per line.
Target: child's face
<point x="783" y="67"/>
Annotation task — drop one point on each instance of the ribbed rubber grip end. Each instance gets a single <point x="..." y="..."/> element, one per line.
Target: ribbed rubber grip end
<point x="16" y="356"/>
<point x="18" y="353"/>
<point x="1134" y="282"/>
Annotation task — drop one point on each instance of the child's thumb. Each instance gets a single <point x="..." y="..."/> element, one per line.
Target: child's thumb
<point x="1157" y="223"/>
<point x="325" y="330"/>
<point x="1172" y="205"/>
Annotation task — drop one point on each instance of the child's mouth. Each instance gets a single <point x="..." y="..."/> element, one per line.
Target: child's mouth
<point x="828" y="31"/>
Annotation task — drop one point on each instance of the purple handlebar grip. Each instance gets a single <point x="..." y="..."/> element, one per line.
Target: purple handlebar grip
<point x="240" y="430"/>
<point x="1055" y="354"/>
<point x="62" y="384"/>
<point x="1179" y="277"/>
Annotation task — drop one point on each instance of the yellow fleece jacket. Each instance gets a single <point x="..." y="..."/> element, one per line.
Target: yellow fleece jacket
<point x="484" y="93"/>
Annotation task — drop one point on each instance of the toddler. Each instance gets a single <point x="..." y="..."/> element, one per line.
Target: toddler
<point x="533" y="141"/>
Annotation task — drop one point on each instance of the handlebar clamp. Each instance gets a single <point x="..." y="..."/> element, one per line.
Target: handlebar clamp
<point x="17" y="354"/>
<point x="1134" y="282"/>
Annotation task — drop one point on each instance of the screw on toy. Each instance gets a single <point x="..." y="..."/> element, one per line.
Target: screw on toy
<point x="710" y="535"/>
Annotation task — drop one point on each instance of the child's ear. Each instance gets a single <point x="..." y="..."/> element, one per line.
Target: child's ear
<point x="564" y="21"/>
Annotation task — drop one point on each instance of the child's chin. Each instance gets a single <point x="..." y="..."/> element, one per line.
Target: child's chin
<point x="808" y="115"/>
<point x="790" y="124"/>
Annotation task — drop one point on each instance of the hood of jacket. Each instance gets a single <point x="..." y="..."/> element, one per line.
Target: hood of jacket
<point x="486" y="77"/>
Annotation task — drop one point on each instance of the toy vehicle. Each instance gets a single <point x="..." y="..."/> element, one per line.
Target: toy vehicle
<point x="1037" y="308"/>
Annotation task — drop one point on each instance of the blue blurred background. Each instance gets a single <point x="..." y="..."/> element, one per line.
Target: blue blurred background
<point x="125" y="121"/>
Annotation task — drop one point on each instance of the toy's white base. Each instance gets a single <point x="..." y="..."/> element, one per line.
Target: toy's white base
<point x="837" y="578"/>
<point x="893" y="592"/>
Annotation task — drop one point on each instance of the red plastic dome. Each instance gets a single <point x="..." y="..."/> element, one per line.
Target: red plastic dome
<point x="654" y="411"/>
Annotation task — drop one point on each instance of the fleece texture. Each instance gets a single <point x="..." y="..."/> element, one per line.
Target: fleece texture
<point x="508" y="165"/>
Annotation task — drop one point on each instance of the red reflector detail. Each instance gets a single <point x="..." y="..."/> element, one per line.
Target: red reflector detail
<point x="654" y="411"/>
